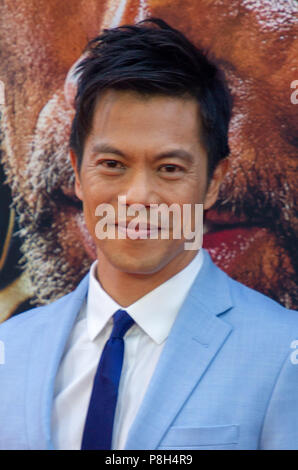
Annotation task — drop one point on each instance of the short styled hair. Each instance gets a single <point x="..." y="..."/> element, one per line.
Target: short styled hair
<point x="152" y="58"/>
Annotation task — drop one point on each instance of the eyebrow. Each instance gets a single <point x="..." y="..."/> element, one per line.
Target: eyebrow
<point x="106" y="148"/>
<point x="175" y="153"/>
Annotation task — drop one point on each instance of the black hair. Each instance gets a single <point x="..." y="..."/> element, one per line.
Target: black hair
<point x="152" y="58"/>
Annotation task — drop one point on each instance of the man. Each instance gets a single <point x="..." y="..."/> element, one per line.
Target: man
<point x="208" y="363"/>
<point x="251" y="232"/>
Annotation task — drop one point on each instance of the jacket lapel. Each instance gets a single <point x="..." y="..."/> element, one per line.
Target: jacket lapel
<point x="52" y="332"/>
<point x="195" y="339"/>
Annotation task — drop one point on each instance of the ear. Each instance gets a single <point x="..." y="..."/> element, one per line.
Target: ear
<point x="213" y="187"/>
<point x="74" y="164"/>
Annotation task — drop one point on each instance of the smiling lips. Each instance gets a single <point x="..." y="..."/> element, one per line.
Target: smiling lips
<point x="137" y="231"/>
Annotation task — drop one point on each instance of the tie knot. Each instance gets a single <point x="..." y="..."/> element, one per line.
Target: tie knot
<point x="122" y="322"/>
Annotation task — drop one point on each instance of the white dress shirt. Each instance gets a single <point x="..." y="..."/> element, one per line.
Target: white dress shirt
<point x="154" y="315"/>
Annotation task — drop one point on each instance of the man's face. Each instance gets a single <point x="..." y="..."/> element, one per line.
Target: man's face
<point x="149" y="150"/>
<point x="252" y="232"/>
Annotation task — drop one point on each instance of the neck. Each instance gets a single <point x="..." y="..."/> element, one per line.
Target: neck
<point x="126" y="287"/>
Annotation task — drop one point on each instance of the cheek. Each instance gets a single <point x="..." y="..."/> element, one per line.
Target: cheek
<point x="98" y="188"/>
<point x="191" y="192"/>
<point x="94" y="190"/>
<point x="94" y="195"/>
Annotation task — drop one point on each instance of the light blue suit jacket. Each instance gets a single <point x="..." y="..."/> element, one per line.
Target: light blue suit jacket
<point x="227" y="377"/>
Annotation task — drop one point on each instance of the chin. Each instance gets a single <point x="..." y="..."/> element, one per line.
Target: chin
<point x="142" y="266"/>
<point x="145" y="261"/>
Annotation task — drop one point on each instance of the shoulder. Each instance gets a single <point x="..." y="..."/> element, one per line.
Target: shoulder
<point x="254" y="317"/>
<point x="37" y="317"/>
<point x="256" y="301"/>
<point x="238" y="300"/>
<point x="265" y="318"/>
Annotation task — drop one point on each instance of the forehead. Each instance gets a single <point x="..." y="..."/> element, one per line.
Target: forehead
<point x="145" y="118"/>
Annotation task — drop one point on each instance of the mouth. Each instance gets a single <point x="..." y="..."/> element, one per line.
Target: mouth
<point x="139" y="231"/>
<point x="226" y="237"/>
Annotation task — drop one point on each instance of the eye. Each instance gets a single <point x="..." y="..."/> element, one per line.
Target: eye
<point x="110" y="167"/>
<point x="111" y="164"/>
<point x="170" y="168"/>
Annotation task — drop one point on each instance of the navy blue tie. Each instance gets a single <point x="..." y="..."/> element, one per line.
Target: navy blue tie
<point x="100" y="417"/>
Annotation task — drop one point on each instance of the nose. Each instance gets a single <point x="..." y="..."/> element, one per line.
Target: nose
<point x="140" y="190"/>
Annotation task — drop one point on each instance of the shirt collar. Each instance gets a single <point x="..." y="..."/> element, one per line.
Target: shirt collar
<point x="155" y="312"/>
